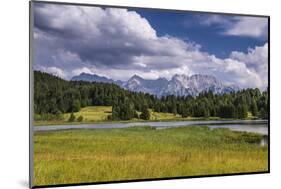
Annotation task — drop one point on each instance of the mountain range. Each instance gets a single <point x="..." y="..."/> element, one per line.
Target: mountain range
<point x="179" y="85"/>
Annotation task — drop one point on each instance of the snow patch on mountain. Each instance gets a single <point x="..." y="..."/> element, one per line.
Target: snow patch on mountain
<point x="179" y="85"/>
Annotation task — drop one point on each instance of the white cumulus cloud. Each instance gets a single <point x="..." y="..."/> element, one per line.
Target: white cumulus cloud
<point x="118" y="43"/>
<point x="248" y="26"/>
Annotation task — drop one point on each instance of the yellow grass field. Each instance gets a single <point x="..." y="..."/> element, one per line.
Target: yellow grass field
<point x="79" y="156"/>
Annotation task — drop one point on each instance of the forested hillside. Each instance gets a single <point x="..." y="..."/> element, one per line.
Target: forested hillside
<point x="54" y="96"/>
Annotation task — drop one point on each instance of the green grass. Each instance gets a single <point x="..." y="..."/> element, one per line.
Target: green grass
<point x="98" y="114"/>
<point x="163" y="116"/>
<point x="90" y="114"/>
<point x="78" y="156"/>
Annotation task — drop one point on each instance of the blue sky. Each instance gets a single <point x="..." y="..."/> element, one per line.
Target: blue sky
<point x="188" y="26"/>
<point x="119" y="43"/>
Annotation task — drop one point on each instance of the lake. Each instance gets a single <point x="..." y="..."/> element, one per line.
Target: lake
<point x="255" y="126"/>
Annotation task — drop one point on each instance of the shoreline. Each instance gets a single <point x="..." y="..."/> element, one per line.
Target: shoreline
<point x="42" y="123"/>
<point x="252" y="126"/>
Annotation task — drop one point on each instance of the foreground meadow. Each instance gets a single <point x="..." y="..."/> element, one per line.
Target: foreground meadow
<point x="79" y="156"/>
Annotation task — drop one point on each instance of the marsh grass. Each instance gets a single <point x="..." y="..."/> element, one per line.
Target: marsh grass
<point x="79" y="156"/>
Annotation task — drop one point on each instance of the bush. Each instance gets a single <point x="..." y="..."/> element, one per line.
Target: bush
<point x="145" y="114"/>
<point x="37" y="117"/>
<point x="72" y="117"/>
<point x="80" y="118"/>
<point x="109" y="117"/>
<point x="58" y="115"/>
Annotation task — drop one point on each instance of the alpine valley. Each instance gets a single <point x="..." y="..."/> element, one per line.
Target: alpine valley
<point x="179" y="85"/>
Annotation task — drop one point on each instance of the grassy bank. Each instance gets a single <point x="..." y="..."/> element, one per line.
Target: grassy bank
<point x="98" y="114"/>
<point x="143" y="152"/>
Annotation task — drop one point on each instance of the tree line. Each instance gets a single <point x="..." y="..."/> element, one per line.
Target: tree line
<point x="54" y="96"/>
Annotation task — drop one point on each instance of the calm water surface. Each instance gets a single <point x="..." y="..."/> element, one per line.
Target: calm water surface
<point x="256" y="126"/>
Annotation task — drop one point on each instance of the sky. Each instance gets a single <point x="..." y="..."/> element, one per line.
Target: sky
<point x="119" y="43"/>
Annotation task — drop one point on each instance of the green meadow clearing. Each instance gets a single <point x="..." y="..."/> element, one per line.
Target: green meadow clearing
<point x="98" y="114"/>
<point x="89" y="113"/>
<point x="79" y="156"/>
